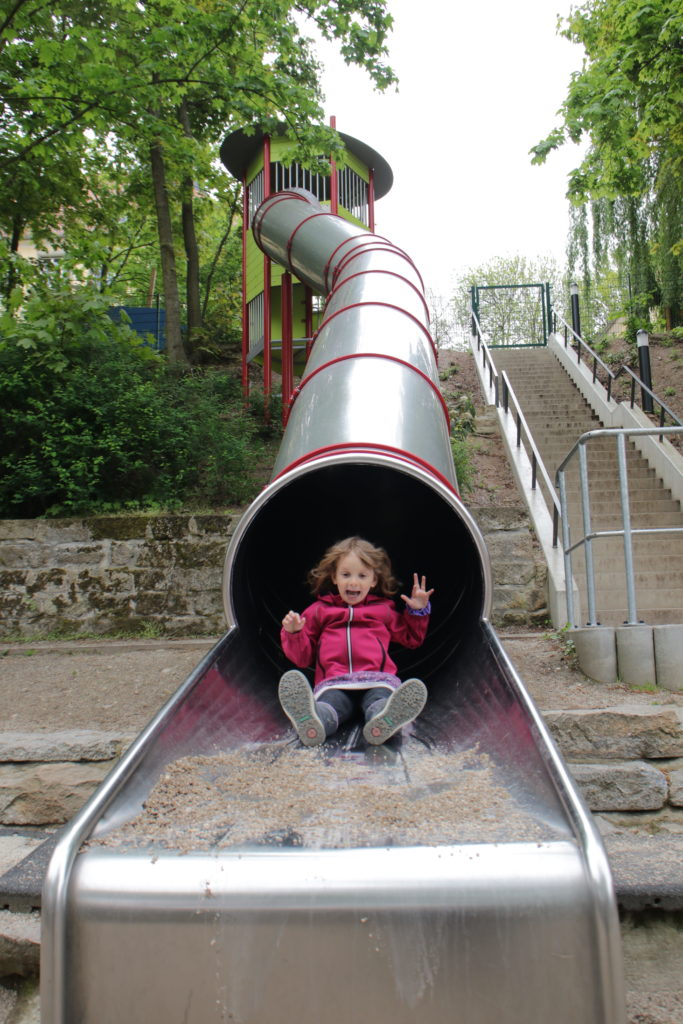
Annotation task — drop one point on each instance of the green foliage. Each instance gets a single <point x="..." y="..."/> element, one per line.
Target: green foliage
<point x="627" y="101"/>
<point x="462" y="459"/>
<point x="92" y="421"/>
<point x="506" y="315"/>
<point x="113" y="112"/>
<point x="462" y="416"/>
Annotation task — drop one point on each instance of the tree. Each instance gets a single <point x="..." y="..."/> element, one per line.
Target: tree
<point x="157" y="85"/>
<point x="442" y="324"/>
<point x="507" y="314"/>
<point x="628" y="101"/>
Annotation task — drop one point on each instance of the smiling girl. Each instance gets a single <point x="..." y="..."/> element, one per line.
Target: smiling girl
<point x="346" y="634"/>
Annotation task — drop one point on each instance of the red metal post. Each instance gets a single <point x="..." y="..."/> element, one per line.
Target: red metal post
<point x="245" y="315"/>
<point x="287" y="349"/>
<point x="308" y="300"/>
<point x="267" y="326"/>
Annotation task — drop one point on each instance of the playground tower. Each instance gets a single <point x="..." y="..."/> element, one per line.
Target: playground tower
<point x="280" y="314"/>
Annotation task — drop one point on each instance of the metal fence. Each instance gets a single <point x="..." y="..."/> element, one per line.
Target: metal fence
<point x="512" y="314"/>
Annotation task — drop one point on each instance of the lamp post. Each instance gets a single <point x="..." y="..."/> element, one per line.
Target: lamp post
<point x="576" y="317"/>
<point x="644" y="368"/>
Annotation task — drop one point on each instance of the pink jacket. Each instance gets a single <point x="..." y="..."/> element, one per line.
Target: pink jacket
<point x="340" y="639"/>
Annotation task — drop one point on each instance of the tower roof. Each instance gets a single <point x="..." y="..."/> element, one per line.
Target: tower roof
<point x="239" y="149"/>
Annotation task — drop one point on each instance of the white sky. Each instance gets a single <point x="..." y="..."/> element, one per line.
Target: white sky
<point x="479" y="84"/>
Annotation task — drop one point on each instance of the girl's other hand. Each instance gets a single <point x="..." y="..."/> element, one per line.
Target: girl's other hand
<point x="419" y="597"/>
<point x="293" y="622"/>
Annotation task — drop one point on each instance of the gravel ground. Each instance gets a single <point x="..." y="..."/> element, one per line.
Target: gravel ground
<point x="118" y="686"/>
<point x="113" y="686"/>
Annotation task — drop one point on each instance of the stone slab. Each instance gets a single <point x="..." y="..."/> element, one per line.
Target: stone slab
<point x="620" y="732"/>
<point x="675" y="784"/>
<point x="65" y="745"/>
<point x="19" y="943"/>
<point x="47" y="794"/>
<point x="647" y="871"/>
<point x="621" y="786"/>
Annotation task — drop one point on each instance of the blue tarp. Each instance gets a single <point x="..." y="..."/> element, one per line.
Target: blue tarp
<point x="144" y="320"/>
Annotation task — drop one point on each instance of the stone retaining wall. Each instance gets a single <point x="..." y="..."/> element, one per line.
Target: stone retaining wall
<point x="128" y="573"/>
<point x="113" y="573"/>
<point x="628" y="762"/>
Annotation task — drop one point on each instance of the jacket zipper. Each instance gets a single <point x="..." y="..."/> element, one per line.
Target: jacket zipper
<point x="348" y="638"/>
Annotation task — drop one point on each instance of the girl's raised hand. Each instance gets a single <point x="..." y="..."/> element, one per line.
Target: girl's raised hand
<point x="293" y="622"/>
<point x="419" y="597"/>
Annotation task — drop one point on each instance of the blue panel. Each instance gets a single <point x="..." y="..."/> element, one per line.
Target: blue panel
<point x="144" y="320"/>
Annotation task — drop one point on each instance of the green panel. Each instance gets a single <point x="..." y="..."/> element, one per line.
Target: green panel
<point x="254" y="260"/>
<point x="298" y="311"/>
<point x="254" y="167"/>
<point x="279" y="150"/>
<point x="352" y="161"/>
<point x="345" y="215"/>
<point x="276" y="314"/>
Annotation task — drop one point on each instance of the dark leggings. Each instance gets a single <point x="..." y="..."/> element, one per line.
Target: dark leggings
<point x="336" y="706"/>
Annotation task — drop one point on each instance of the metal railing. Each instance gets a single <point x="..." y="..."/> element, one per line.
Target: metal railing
<point x="584" y="349"/>
<point x="627" y="531"/>
<point x="506" y="399"/>
<point x="589" y="354"/>
<point x="489" y="365"/>
<point x="664" y="410"/>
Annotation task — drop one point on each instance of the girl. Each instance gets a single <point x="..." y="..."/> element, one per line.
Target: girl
<point x="346" y="633"/>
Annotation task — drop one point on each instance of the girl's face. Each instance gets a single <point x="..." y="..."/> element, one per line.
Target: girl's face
<point x="353" y="578"/>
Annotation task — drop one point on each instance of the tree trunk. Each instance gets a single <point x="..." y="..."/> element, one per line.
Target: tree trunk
<point x="174" y="341"/>
<point x="194" y="309"/>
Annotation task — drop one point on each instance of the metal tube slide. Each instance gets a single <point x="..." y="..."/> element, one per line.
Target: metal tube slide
<point x="452" y="875"/>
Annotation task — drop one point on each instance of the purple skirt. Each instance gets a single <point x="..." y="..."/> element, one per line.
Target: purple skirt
<point x="358" y="681"/>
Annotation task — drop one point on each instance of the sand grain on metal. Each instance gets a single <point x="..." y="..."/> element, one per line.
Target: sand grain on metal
<point x="291" y="796"/>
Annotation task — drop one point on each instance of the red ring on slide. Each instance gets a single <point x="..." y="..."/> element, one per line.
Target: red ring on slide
<point x="387" y="305"/>
<point x="379" y="248"/>
<point x="389" y="273"/>
<point x="372" y="355"/>
<point x="351" y="238"/>
<point x="290" y="240"/>
<point x="368" y="448"/>
<point x="279" y="197"/>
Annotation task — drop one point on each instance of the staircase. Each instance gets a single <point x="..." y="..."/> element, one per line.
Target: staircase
<point x="557" y="415"/>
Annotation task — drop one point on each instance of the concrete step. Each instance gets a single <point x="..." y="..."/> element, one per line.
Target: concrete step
<point x="607" y="503"/>
<point x="668" y="600"/>
<point x="557" y="415"/>
<point x="650" y="580"/>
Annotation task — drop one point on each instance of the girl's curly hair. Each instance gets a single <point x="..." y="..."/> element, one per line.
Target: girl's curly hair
<point x="376" y="559"/>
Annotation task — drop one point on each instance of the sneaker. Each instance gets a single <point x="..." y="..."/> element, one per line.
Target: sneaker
<point x="404" y="705"/>
<point x="296" y="698"/>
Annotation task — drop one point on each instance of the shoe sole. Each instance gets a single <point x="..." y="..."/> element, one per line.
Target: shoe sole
<point x="296" y="698"/>
<point x="404" y="705"/>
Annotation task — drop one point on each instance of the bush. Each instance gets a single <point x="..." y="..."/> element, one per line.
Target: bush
<point x="91" y="421"/>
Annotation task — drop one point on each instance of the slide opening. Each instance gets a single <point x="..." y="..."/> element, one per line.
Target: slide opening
<point x="422" y="527"/>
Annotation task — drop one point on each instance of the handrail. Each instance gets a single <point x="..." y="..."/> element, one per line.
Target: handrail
<point x="663" y="409"/>
<point x="537" y="464"/>
<point x="627" y="531"/>
<point x="560" y="506"/>
<point x="597" y="361"/>
<point x="489" y="365"/>
<point x="522" y="430"/>
<point x="612" y="376"/>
